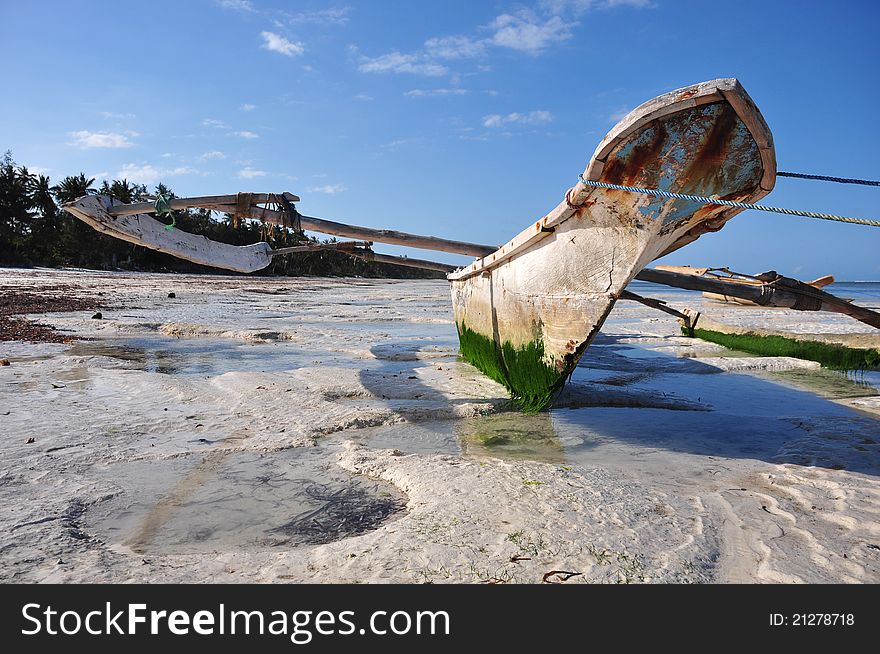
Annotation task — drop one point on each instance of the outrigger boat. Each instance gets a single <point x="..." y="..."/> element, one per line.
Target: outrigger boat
<point x="526" y="311"/>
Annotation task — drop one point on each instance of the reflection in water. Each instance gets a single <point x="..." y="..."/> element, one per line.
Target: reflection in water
<point x="200" y="356"/>
<point x="831" y="384"/>
<point x="511" y="435"/>
<point x="233" y="501"/>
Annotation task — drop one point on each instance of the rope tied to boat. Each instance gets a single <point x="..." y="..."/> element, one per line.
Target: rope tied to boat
<point x="728" y="203"/>
<point x="290" y="215"/>
<point x="163" y="208"/>
<point x="829" y="178"/>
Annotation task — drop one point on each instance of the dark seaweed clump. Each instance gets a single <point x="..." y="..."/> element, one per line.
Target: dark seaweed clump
<point x="344" y="512"/>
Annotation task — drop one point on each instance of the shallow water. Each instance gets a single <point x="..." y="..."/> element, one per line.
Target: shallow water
<point x="211" y="356"/>
<point x="759" y="416"/>
<point x="236" y="501"/>
<point x="203" y="356"/>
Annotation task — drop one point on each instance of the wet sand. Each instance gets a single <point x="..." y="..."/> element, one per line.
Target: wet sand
<point x="278" y="430"/>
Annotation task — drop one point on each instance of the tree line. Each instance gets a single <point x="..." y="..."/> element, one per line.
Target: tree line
<point x="36" y="231"/>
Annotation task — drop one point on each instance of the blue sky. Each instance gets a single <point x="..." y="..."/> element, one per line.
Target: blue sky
<point x="453" y="118"/>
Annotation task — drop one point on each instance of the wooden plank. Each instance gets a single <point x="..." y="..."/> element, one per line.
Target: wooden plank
<point x="684" y="270"/>
<point x="390" y="236"/>
<point x="770" y="295"/>
<point x="316" y="247"/>
<point x="226" y="203"/>
<point x="369" y="255"/>
<point x="660" y="305"/>
<point x="205" y="201"/>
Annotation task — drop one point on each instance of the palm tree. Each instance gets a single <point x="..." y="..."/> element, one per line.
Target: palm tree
<point x="41" y="197"/>
<point x="73" y="187"/>
<point x="15" y="200"/>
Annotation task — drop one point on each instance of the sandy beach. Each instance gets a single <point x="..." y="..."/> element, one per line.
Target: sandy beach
<point x="323" y="430"/>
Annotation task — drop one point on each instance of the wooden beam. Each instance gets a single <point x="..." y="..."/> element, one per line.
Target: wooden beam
<point x="660" y="305"/>
<point x="227" y="204"/>
<point x="205" y="201"/>
<point x="780" y="293"/>
<point x="369" y="255"/>
<point x="344" y="246"/>
<point x="377" y="235"/>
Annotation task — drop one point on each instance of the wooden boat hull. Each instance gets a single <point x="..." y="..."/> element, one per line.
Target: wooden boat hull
<point x="526" y="313"/>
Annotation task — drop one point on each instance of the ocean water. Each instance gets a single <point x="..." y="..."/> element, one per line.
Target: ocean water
<point x="865" y="293"/>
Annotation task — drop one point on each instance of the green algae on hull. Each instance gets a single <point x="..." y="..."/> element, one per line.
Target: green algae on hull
<point x="830" y="355"/>
<point x="521" y="370"/>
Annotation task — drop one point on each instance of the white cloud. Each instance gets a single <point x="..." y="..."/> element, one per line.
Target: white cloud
<point x="426" y="61"/>
<point x="638" y="4"/>
<point x="330" y="16"/>
<point x="213" y="122"/>
<point x="213" y="154"/>
<point x="363" y="97"/>
<point x="245" y="6"/>
<point x="578" y="7"/>
<point x="526" y="32"/>
<point x="149" y="174"/>
<point x="277" y="43"/>
<point x="116" y="116"/>
<point x="248" y="107"/>
<point x="532" y="118"/>
<point x="426" y="93"/>
<point x="454" y="47"/>
<point x="395" y="62"/>
<point x="245" y="134"/>
<point x="251" y="173"/>
<point x="473" y="137"/>
<point x="85" y="139"/>
<point x="399" y="143"/>
<point x="327" y="189"/>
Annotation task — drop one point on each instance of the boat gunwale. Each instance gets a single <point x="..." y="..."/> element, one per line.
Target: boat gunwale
<point x="724" y="89"/>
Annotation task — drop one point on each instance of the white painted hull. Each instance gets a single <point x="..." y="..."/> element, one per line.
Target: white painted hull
<point x="553" y="285"/>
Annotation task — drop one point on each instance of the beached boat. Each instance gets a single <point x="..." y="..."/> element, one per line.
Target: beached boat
<point x="527" y="311"/>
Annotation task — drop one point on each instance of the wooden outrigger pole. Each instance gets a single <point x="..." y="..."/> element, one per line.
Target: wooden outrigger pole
<point x="784" y="292"/>
<point x="233" y="204"/>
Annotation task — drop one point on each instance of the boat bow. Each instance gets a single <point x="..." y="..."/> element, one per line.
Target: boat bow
<point x="528" y="311"/>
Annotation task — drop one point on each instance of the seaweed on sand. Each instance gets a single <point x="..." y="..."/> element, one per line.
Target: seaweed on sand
<point x="344" y="512"/>
<point x="830" y="355"/>
<point x="522" y="370"/>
